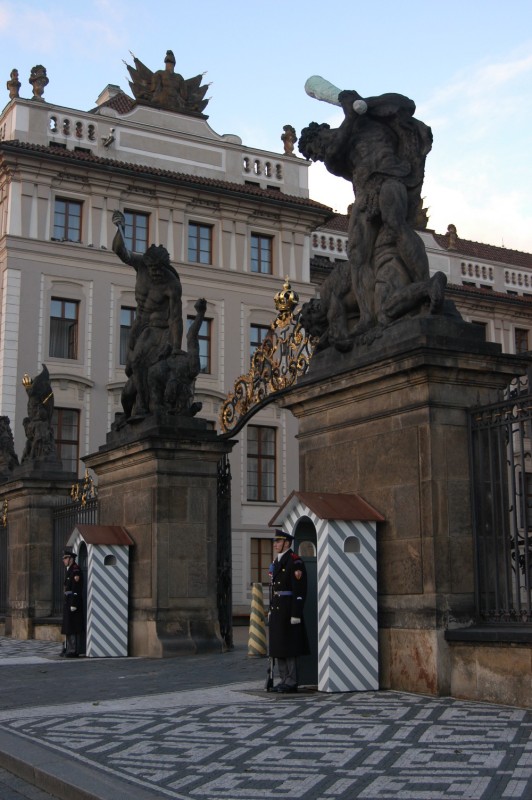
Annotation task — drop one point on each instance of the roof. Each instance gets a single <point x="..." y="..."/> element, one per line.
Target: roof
<point x="484" y="252"/>
<point x="105" y="534"/>
<point x="120" y="102"/>
<point x="339" y="223"/>
<point x="329" y="506"/>
<point x="82" y="157"/>
<point x="464" y="247"/>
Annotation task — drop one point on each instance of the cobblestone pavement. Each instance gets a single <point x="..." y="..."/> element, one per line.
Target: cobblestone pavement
<point x="238" y="742"/>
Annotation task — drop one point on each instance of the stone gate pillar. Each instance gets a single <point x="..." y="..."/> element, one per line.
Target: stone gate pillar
<point x="389" y="422"/>
<point x="160" y="482"/>
<point x="31" y="499"/>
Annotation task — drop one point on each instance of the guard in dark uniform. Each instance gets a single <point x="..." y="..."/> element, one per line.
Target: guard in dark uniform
<point x="72" y="605"/>
<point x="288" y="589"/>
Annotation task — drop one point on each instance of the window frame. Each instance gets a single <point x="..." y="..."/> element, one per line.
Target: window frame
<point x="58" y="424"/>
<point x="255" y="342"/>
<point x="205" y="342"/>
<point x="122" y="343"/>
<point x="521" y="335"/>
<point x="72" y="335"/>
<point x="62" y="230"/>
<point x="266" y="491"/>
<point x="195" y="239"/>
<point x="258" y="240"/>
<point x="263" y="552"/>
<point x="133" y="240"/>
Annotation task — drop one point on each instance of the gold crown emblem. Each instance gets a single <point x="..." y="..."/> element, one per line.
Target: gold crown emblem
<point x="286" y="299"/>
<point x="27" y="381"/>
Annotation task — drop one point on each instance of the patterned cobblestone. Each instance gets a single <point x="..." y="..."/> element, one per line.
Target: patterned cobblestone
<point x="242" y="743"/>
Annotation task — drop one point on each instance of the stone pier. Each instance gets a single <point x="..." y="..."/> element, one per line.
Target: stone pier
<point x="388" y="422"/>
<point x="31" y="495"/>
<point x="158" y="479"/>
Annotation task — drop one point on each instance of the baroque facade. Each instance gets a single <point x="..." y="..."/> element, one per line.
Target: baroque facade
<point x="236" y="222"/>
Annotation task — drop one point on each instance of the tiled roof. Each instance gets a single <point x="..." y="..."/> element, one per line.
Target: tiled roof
<point x="476" y="250"/>
<point x="120" y="102"/>
<point x="485" y="252"/>
<point x="321" y="267"/>
<point x="480" y="291"/>
<point x="84" y="157"/>
<point x="339" y="223"/>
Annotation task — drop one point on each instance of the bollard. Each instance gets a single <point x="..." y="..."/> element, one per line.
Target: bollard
<point x="257" y="623"/>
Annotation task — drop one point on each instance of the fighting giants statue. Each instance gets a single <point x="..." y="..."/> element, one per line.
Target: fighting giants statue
<point x="160" y="374"/>
<point x="8" y="457"/>
<point x="381" y="148"/>
<point x="40" y="448"/>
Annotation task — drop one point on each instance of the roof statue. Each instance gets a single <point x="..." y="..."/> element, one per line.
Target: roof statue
<point x="39" y="80"/>
<point x="13" y="84"/>
<point x="167" y="89"/>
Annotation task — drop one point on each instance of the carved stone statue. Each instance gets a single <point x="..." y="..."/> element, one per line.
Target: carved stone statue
<point x="381" y="148"/>
<point x="39" y="80"/>
<point x="13" y="84"/>
<point x="167" y="89"/>
<point x="160" y="374"/>
<point x="289" y="138"/>
<point x="40" y="443"/>
<point x="8" y="457"/>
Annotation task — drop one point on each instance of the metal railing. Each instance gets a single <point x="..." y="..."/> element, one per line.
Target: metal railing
<point x="501" y="470"/>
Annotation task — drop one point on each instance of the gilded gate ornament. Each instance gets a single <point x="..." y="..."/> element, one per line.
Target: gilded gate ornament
<point x="283" y="356"/>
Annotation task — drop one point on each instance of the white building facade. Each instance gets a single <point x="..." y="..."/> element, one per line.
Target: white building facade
<point x="236" y="222"/>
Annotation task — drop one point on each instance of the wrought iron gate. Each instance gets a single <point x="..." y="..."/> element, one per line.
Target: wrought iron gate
<point x="224" y="568"/>
<point x="3" y="569"/>
<point x="501" y="470"/>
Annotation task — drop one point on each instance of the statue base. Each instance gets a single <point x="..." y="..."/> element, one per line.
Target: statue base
<point x="158" y="478"/>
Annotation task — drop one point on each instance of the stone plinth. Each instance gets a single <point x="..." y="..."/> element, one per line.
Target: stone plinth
<point x="159" y="481"/>
<point x="389" y="422"/>
<point x="31" y="499"/>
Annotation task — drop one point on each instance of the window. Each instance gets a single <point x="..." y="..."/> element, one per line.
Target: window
<point x="204" y="341"/>
<point x="257" y="334"/>
<point x="261" y="254"/>
<point x="482" y="325"/>
<point x="528" y="500"/>
<point x="199" y="243"/>
<point x="136" y="231"/>
<point x="67" y="220"/>
<point x="261" y="558"/>
<point x="63" y="328"/>
<point x="521" y="340"/>
<point x="261" y="463"/>
<point x="65" y="422"/>
<point x="127" y="317"/>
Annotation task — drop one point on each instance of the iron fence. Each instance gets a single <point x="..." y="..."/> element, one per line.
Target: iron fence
<point x="3" y="570"/>
<point x="501" y="470"/>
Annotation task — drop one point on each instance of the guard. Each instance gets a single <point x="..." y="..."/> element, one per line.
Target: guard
<point x="288" y="589"/>
<point x="72" y="605"/>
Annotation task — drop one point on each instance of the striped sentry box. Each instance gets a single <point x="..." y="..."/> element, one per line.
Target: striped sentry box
<point x="346" y="537"/>
<point x="107" y="587"/>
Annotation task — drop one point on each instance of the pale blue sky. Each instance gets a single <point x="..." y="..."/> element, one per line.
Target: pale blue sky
<point x="466" y="63"/>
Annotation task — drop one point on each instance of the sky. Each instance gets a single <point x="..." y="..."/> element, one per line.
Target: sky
<point x="467" y="64"/>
